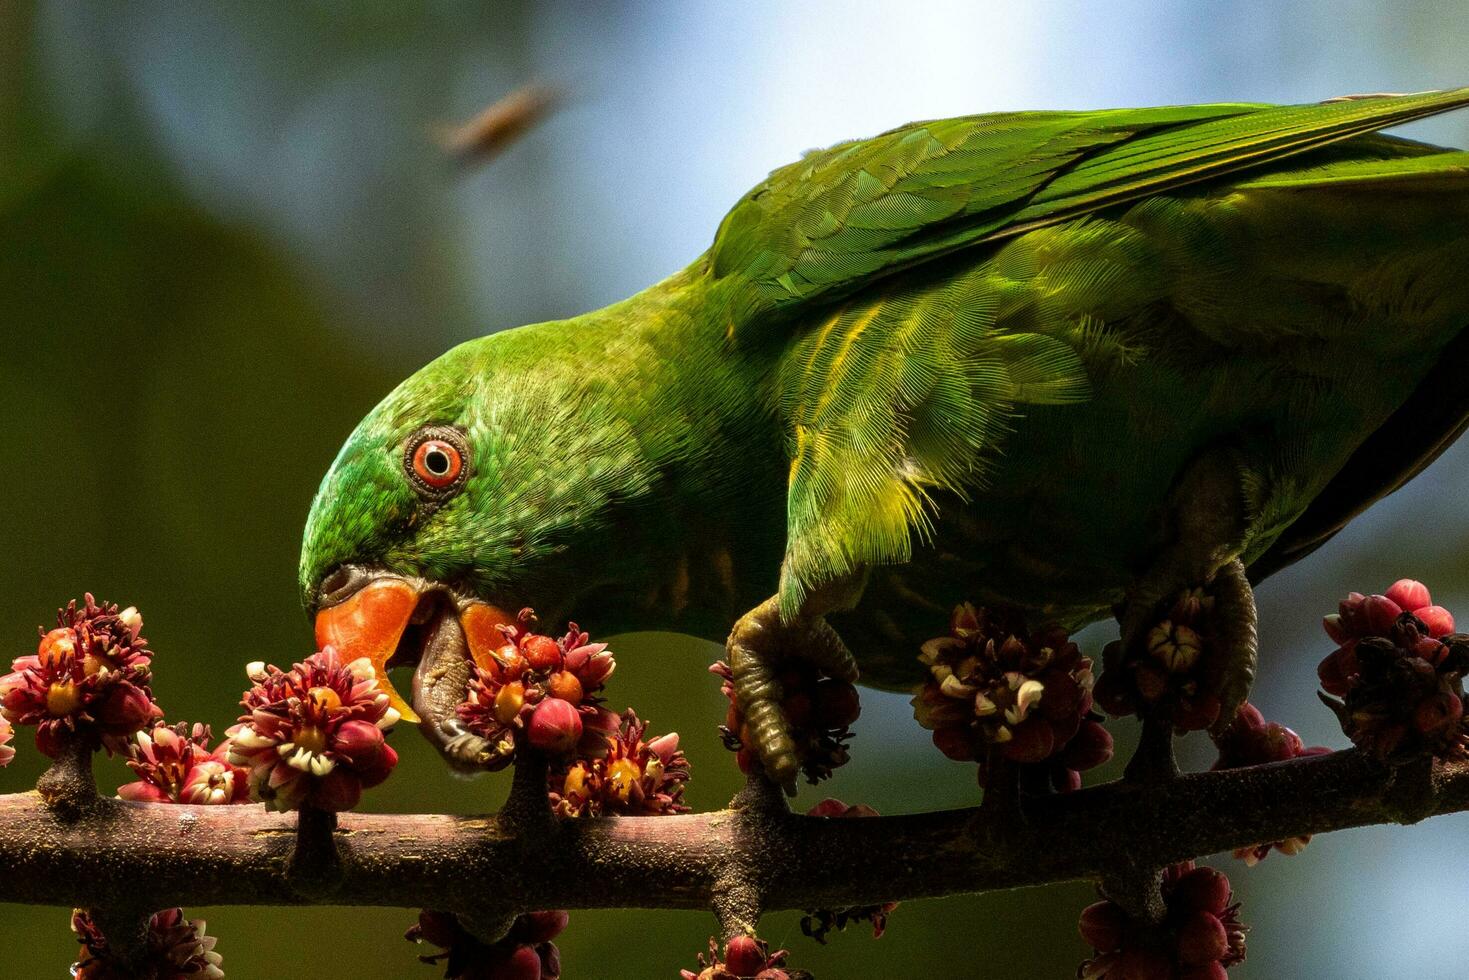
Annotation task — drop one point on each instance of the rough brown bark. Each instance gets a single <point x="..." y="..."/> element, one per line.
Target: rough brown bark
<point x="112" y="853"/>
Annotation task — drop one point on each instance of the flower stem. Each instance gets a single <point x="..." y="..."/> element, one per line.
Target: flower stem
<point x="1138" y="891"/>
<point x="67" y="786"/>
<point x="316" y="864"/>
<point x="1153" y="761"/>
<point x="528" y="806"/>
<point x="126" y="929"/>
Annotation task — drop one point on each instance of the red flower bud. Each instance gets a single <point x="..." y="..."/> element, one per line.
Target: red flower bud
<point x="743" y="957"/>
<point x="1032" y="742"/>
<point x="338" y="790"/>
<point x="954" y="743"/>
<point x="541" y="652"/>
<point x="540" y="927"/>
<point x="143" y="792"/>
<point x="837" y="703"/>
<point x="128" y="708"/>
<point x="1335" y="672"/>
<point x="361" y="742"/>
<point x="1201" y="939"/>
<point x="1440" y="621"/>
<point x="1409" y="594"/>
<point x="523" y="964"/>
<point x="1102" y="926"/>
<point x="555" y="726"/>
<point x="1380" y="613"/>
<point x="1203" y="889"/>
<point x="1089" y="748"/>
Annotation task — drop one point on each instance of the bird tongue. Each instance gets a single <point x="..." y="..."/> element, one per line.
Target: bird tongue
<point x="372" y="621"/>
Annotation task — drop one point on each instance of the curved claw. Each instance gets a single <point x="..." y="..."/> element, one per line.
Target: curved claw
<point x="755" y="644"/>
<point x="462" y="747"/>
<point x="758" y="692"/>
<point x="1238" y="640"/>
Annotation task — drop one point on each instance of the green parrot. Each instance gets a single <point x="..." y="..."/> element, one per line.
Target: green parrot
<point x="1069" y="362"/>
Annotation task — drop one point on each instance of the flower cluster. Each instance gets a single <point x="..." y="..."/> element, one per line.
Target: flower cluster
<point x="542" y="689"/>
<point x="818" y="923"/>
<point x="1199" y="939"/>
<point x="819" y="712"/>
<point x="1252" y="741"/>
<point x="1166" y="677"/>
<point x="525" y="953"/>
<point x="313" y="735"/>
<point x="998" y="691"/>
<point x="1360" y="616"/>
<point x="7" y="751"/>
<point x="90" y="675"/>
<point x="1398" y="674"/>
<point x="631" y="777"/>
<point x="177" y="766"/>
<point x="178" y="949"/>
<point x="744" y="957"/>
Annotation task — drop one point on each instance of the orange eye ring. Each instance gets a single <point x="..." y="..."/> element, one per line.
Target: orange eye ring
<point x="436" y="463"/>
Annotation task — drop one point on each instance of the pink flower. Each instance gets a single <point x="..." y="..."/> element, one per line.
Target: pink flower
<point x="177" y="766"/>
<point x="744" y="957"/>
<point x="631" y="777"/>
<point x="998" y="691"/>
<point x="1200" y="937"/>
<point x="178" y="949"/>
<point x="90" y="678"/>
<point x="526" y="952"/>
<point x="1360" y="616"/>
<point x="312" y="736"/>
<point x="1167" y="677"/>
<point x="541" y="689"/>
<point x="1398" y="674"/>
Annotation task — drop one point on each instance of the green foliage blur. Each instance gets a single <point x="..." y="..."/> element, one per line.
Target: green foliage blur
<point x="224" y="235"/>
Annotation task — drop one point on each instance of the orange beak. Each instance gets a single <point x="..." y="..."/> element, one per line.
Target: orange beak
<point x="371" y="622"/>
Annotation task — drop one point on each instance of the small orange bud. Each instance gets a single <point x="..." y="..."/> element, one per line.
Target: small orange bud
<point x="324" y="698"/>
<point x="508" y="702"/>
<point x="564" y="685"/>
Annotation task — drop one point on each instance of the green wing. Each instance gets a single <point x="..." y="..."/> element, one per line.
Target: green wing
<point x="893" y="385"/>
<point x="831" y="222"/>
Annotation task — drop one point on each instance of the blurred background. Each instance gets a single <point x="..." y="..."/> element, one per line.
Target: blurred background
<point x="226" y="233"/>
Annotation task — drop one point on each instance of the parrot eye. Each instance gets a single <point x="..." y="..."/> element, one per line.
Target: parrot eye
<point x="434" y="460"/>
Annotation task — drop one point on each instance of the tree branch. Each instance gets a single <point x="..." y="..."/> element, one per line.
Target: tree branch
<point x="118" y="853"/>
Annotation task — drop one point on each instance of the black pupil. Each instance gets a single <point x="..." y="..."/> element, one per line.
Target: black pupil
<point x="436" y="461"/>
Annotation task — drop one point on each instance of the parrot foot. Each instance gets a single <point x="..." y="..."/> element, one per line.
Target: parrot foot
<point x="1231" y="637"/>
<point x="759" y="640"/>
<point x="1202" y="569"/>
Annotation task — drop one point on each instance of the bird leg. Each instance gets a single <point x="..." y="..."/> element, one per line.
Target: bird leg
<point x="1208" y="530"/>
<point x="760" y="640"/>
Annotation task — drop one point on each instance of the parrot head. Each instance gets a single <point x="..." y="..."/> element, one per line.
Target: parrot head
<point x="451" y="506"/>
